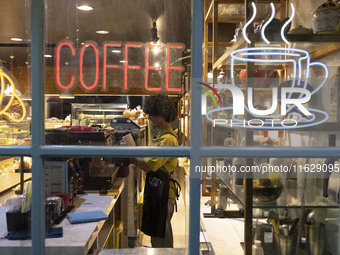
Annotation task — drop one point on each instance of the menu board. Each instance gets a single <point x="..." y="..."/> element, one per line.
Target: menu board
<point x="55" y="177"/>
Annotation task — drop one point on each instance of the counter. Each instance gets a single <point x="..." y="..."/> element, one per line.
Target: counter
<point x="77" y="238"/>
<point x="145" y="251"/>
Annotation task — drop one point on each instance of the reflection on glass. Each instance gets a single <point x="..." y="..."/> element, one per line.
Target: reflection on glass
<point x="278" y="182"/>
<point x="111" y="65"/>
<point x="291" y="197"/>
<point x="15" y="87"/>
<point x="15" y="200"/>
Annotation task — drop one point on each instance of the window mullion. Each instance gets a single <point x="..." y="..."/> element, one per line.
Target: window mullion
<point x="37" y="128"/>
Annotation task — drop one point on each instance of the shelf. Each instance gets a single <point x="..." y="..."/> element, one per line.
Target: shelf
<point x="25" y="171"/>
<point x="288" y="198"/>
<point x="210" y="11"/>
<point x="105" y="233"/>
<point x="240" y="43"/>
<point x="313" y="37"/>
<point x="10" y="180"/>
<point x="313" y="47"/>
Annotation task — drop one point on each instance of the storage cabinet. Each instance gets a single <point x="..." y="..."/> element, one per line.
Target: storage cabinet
<point x="302" y="193"/>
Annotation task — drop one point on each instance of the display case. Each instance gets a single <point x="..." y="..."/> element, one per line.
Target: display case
<point x="13" y="133"/>
<point x="95" y="114"/>
<point x="303" y="193"/>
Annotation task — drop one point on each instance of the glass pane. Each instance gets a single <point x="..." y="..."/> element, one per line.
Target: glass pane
<point x="15" y="91"/>
<point x="101" y="66"/>
<point x="300" y="194"/>
<point x="15" y="204"/>
<point x="270" y="85"/>
<point x="116" y="189"/>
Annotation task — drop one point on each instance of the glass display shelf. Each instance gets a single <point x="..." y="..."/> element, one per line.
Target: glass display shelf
<point x="291" y="196"/>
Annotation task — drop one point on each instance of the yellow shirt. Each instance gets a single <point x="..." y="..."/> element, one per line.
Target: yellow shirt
<point x="168" y="165"/>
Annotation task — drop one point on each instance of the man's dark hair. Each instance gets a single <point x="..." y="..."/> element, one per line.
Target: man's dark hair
<point x="161" y="105"/>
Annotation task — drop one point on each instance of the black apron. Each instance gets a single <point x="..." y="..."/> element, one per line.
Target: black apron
<point x="155" y="206"/>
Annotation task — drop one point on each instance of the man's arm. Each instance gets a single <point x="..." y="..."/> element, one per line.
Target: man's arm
<point x="140" y="163"/>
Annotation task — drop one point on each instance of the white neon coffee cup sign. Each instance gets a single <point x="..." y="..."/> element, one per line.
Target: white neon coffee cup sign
<point x="299" y="60"/>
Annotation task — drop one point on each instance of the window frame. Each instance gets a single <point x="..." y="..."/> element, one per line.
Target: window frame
<point x="195" y="152"/>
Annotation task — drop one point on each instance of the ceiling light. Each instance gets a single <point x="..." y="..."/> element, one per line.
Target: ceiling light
<point x="157" y="64"/>
<point x="66" y="95"/>
<point x="17" y="39"/>
<point x="48" y="56"/>
<point x="122" y="61"/>
<point x="116" y="51"/>
<point x="156" y="50"/>
<point x="84" y="7"/>
<point x="102" y="32"/>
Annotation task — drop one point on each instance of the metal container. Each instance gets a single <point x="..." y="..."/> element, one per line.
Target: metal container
<point x="316" y="238"/>
<point x="286" y="245"/>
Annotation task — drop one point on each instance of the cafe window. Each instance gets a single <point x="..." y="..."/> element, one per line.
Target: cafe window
<point x="75" y="82"/>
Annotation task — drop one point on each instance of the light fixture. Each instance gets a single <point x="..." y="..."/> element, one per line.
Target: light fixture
<point x="116" y="51"/>
<point x="66" y="95"/>
<point x="84" y="7"/>
<point x="156" y="50"/>
<point x="154" y="36"/>
<point x="17" y="39"/>
<point x="8" y="91"/>
<point x="102" y="32"/>
<point x="48" y="56"/>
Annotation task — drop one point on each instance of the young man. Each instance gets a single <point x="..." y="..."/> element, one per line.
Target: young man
<point x="158" y="207"/>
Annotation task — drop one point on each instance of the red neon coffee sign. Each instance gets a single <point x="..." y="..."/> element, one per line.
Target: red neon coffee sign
<point x="120" y="58"/>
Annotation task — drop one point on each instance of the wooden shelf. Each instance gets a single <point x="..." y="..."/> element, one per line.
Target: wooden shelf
<point x="313" y="37"/>
<point x="210" y="11"/>
<point x="219" y="63"/>
<point x="105" y="233"/>
<point x="10" y="180"/>
<point x="316" y="51"/>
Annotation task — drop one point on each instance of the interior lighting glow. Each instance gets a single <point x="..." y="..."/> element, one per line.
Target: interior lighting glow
<point x="84" y="7"/>
<point x="17" y="39"/>
<point x="156" y="50"/>
<point x="102" y="32"/>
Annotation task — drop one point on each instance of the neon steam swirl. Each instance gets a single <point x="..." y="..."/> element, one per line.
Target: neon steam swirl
<point x="244" y="31"/>
<point x="267" y="23"/>
<point x="286" y="24"/>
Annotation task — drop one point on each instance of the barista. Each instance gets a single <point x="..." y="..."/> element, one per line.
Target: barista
<point x="160" y="189"/>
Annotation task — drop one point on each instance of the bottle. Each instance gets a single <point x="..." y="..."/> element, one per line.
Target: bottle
<point x="229" y="142"/>
<point x="257" y="248"/>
